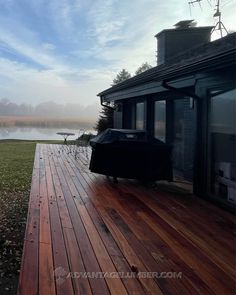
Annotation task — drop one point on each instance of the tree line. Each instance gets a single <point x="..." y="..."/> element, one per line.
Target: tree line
<point x="52" y="109"/>
<point x="47" y="109"/>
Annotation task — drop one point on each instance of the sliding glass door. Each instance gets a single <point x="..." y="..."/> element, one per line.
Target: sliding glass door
<point x="140" y="116"/>
<point x="222" y="146"/>
<point x="183" y="138"/>
<point x="160" y="120"/>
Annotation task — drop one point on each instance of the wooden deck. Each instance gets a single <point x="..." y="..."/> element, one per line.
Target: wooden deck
<point x="86" y="235"/>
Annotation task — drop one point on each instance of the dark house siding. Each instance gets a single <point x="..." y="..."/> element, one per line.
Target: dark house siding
<point x="211" y="67"/>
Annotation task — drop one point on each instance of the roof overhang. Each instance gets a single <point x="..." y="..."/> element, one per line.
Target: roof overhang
<point x="147" y="88"/>
<point x="210" y="57"/>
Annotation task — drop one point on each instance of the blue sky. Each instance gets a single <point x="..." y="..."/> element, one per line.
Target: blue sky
<point x="69" y="50"/>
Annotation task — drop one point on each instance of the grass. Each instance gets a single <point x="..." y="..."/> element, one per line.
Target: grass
<point x="16" y="165"/>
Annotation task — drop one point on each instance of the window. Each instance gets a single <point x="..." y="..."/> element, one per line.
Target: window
<point x="160" y="120"/>
<point x="140" y="116"/>
<point x="223" y="145"/>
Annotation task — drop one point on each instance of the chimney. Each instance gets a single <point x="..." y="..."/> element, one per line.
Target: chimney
<point x="185" y="36"/>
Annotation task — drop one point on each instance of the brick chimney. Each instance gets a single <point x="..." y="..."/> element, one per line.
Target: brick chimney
<point x="185" y="36"/>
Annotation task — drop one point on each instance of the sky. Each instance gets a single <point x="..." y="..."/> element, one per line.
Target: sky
<point x="68" y="51"/>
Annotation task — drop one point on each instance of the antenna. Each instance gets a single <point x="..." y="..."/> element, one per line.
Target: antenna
<point x="219" y="25"/>
<point x="193" y="2"/>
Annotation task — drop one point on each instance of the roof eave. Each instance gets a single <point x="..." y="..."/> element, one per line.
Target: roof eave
<point x="216" y="61"/>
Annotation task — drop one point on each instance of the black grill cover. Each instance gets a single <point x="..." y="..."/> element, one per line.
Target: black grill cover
<point x="131" y="154"/>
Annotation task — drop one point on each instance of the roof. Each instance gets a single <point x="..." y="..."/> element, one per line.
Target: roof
<point x="206" y="56"/>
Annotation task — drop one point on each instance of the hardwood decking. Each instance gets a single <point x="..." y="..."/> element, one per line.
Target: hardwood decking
<point x="80" y="223"/>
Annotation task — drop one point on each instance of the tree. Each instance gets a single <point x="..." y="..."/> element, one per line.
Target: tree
<point x="105" y="119"/>
<point x="121" y="76"/>
<point x="144" y="67"/>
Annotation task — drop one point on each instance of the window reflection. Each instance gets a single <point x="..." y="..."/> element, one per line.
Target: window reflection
<point x="140" y="116"/>
<point x="160" y="120"/>
<point x="223" y="145"/>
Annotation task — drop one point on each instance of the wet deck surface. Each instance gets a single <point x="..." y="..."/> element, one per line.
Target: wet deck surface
<point x="87" y="235"/>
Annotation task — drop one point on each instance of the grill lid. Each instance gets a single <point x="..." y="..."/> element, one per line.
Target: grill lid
<point x="125" y="135"/>
<point x="112" y="135"/>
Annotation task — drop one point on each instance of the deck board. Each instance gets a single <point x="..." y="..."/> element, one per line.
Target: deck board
<point x="80" y="223"/>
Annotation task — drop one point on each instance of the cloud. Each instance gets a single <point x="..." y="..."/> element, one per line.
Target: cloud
<point x="105" y="23"/>
<point x="48" y="46"/>
<point x="26" y="46"/>
<point x="70" y="50"/>
<point x="32" y="85"/>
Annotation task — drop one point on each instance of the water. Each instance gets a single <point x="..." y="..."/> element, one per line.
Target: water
<point x="34" y="133"/>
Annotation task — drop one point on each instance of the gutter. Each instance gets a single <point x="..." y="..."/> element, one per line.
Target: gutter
<point x="105" y="105"/>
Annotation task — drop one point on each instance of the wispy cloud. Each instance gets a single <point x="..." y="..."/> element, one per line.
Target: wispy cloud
<point x="105" y="22"/>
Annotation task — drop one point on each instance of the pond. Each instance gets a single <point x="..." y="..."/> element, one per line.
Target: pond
<point x="34" y="133"/>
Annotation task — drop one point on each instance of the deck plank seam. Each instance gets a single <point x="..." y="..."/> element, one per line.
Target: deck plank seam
<point x="84" y="229"/>
<point x="63" y="236"/>
<point x="73" y="230"/>
<point x="98" y="231"/>
<point x="101" y="215"/>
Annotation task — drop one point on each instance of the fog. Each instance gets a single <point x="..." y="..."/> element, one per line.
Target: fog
<point x="50" y="109"/>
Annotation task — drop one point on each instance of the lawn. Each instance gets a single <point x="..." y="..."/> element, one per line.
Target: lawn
<point x="16" y="163"/>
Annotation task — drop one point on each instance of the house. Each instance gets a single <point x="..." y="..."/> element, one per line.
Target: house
<point x="189" y="101"/>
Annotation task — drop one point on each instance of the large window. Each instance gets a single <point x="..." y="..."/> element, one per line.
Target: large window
<point x="160" y="120"/>
<point x="140" y="116"/>
<point x="223" y="145"/>
<point x="183" y="140"/>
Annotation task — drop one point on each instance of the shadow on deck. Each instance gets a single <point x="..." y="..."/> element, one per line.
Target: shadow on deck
<point x="86" y="235"/>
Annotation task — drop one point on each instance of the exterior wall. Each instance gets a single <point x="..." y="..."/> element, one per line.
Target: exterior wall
<point x="196" y="144"/>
